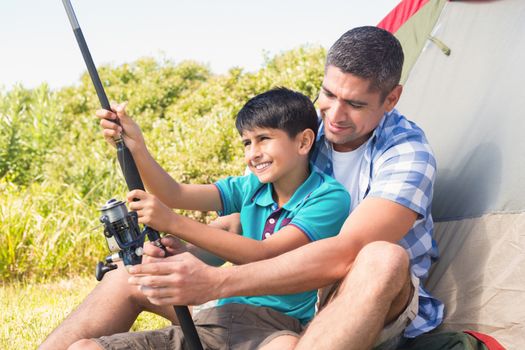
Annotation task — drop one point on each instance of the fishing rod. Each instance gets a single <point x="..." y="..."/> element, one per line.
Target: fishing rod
<point x="121" y="228"/>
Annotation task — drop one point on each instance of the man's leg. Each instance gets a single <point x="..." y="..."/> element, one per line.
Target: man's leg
<point x="110" y="308"/>
<point x="376" y="290"/>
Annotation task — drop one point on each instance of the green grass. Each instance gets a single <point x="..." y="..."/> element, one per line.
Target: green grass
<point x="30" y="311"/>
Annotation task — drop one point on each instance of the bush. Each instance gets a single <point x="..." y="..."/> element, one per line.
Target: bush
<point x="56" y="170"/>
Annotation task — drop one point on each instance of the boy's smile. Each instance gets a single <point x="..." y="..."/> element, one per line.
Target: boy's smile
<point x="274" y="157"/>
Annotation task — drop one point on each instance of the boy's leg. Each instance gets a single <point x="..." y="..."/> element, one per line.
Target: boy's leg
<point x="377" y="289"/>
<point x="166" y="338"/>
<point x="284" y="342"/>
<point x="110" y="308"/>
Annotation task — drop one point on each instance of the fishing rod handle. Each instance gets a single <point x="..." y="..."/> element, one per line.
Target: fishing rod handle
<point x="188" y="327"/>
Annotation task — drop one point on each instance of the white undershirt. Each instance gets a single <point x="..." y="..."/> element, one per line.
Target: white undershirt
<point x="346" y="171"/>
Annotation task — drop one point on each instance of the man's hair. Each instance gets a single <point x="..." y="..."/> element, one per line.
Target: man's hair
<point x="370" y="53"/>
<point x="279" y="108"/>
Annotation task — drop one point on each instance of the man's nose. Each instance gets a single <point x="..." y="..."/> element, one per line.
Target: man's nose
<point x="337" y="112"/>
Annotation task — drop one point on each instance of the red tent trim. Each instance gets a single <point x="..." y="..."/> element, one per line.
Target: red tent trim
<point x="491" y="343"/>
<point x="400" y="14"/>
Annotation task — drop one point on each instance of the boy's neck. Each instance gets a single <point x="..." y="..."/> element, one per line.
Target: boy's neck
<point x="285" y="187"/>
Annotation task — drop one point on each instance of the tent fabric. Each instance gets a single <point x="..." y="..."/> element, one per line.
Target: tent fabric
<point x="470" y="103"/>
<point x="481" y="276"/>
<point x="418" y="18"/>
<point x="400" y="14"/>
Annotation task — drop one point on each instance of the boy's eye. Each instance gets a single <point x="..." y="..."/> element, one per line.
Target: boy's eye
<point x="246" y="143"/>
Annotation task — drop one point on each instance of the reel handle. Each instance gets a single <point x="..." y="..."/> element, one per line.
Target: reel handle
<point x="102" y="269"/>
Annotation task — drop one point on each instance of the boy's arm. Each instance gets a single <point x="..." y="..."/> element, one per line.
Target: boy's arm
<point x="155" y="178"/>
<point x="229" y="246"/>
<point x="235" y="248"/>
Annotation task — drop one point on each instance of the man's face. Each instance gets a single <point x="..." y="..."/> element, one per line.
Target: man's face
<point x="350" y="110"/>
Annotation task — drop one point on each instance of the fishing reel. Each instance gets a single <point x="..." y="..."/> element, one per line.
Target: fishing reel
<point x="123" y="235"/>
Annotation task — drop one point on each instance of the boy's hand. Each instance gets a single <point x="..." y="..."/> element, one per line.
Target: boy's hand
<point x="172" y="244"/>
<point x="151" y="211"/>
<point x="128" y="128"/>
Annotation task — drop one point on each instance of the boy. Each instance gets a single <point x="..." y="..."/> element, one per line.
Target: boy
<point x="282" y="204"/>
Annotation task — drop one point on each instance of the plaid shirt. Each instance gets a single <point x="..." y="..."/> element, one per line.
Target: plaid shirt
<point x="399" y="165"/>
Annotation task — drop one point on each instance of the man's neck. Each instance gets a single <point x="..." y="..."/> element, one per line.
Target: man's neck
<point x="351" y="145"/>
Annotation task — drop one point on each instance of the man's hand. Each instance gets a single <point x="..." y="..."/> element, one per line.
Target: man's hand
<point x="128" y="128"/>
<point x="177" y="280"/>
<point x="151" y="211"/>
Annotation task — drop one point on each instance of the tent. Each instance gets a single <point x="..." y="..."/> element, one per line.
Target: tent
<point x="465" y="63"/>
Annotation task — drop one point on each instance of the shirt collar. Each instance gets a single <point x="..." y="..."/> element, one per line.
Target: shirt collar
<point x="264" y="196"/>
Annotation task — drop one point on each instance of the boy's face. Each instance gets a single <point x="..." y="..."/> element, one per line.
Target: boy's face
<point x="272" y="155"/>
<point x="350" y="110"/>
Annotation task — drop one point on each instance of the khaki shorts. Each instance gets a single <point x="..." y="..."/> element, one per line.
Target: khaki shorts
<point x="231" y="326"/>
<point x="392" y="334"/>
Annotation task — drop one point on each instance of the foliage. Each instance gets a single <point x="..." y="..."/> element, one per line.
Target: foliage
<point x="56" y="170"/>
<point x="31" y="311"/>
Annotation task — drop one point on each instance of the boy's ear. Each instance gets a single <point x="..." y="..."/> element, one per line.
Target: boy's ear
<point x="306" y="141"/>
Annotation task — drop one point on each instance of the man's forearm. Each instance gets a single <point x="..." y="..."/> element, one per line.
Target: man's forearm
<point x="306" y="268"/>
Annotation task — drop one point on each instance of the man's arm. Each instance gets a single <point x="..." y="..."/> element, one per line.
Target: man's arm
<point x="325" y="261"/>
<point x="184" y="279"/>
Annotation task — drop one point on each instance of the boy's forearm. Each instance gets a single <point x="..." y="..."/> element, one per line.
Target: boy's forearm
<point x="205" y="255"/>
<point x="226" y="245"/>
<point x="156" y="180"/>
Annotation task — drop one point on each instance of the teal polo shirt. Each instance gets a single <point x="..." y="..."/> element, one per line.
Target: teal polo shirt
<point x="319" y="207"/>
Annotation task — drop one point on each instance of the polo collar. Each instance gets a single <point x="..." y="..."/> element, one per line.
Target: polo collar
<point x="264" y="196"/>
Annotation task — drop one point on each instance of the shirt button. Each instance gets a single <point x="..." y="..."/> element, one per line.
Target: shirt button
<point x="267" y="235"/>
<point x="271" y="221"/>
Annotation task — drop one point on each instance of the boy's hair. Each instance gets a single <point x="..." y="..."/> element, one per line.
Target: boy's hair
<point x="370" y="53"/>
<point x="281" y="109"/>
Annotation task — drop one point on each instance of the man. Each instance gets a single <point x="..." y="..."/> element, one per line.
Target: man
<point x="380" y="257"/>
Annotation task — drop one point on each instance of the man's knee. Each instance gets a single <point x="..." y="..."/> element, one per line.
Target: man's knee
<point x="383" y="258"/>
<point x="381" y="266"/>
<point x="84" y="344"/>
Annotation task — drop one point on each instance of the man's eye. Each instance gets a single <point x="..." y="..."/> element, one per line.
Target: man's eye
<point x="355" y="106"/>
<point x="328" y="94"/>
<point x="246" y="143"/>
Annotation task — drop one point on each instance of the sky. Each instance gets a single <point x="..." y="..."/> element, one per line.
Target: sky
<point x="37" y="44"/>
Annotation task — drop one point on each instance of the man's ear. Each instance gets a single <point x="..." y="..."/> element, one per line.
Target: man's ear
<point x="306" y="140"/>
<point x="393" y="97"/>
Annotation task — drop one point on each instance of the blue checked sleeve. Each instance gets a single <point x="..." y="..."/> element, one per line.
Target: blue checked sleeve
<point x="405" y="174"/>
